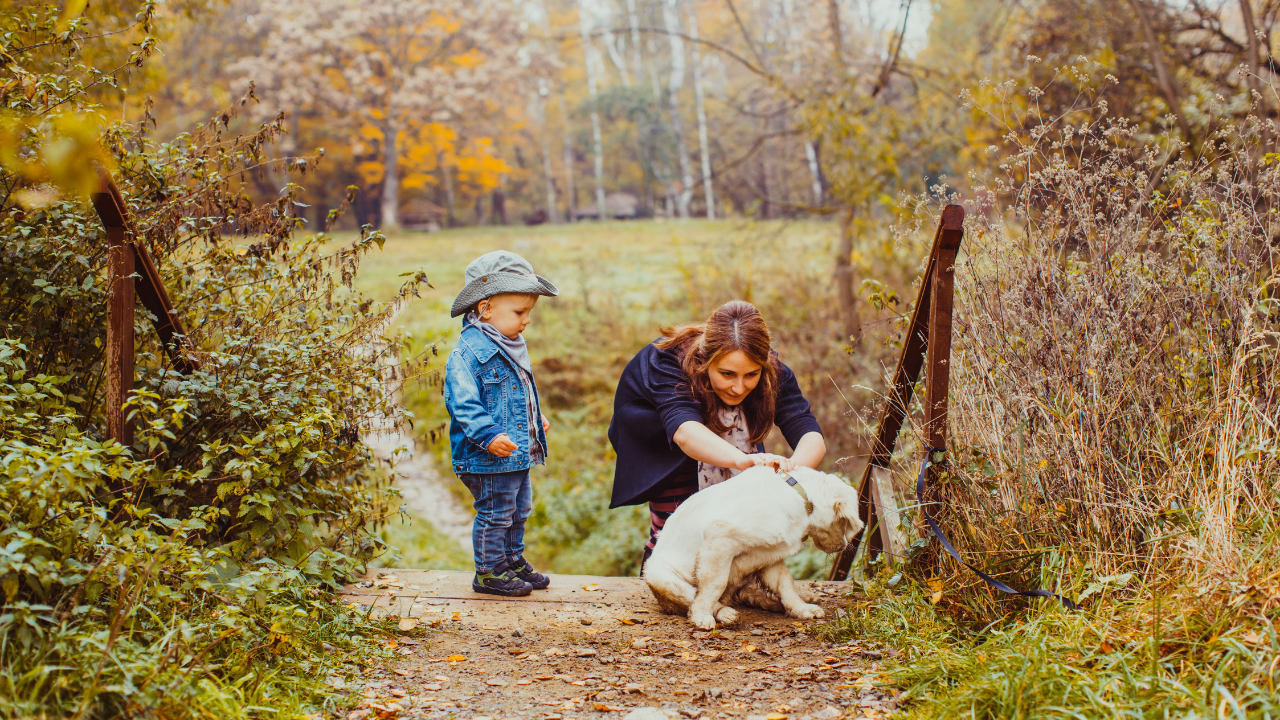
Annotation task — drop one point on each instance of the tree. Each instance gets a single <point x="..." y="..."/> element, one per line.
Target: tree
<point x="382" y="67"/>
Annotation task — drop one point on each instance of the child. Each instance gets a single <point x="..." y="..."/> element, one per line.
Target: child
<point x="497" y="431"/>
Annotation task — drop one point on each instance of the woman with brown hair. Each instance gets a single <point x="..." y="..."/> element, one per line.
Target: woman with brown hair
<point x="693" y="409"/>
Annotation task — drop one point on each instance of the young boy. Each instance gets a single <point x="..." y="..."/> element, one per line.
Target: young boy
<point x="497" y="431"/>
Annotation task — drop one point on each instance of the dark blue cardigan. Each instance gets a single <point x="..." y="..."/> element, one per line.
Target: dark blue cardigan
<point x="650" y="406"/>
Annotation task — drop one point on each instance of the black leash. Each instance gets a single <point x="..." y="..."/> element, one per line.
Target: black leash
<point x="942" y="538"/>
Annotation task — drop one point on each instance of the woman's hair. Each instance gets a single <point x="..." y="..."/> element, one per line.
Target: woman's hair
<point x="736" y="325"/>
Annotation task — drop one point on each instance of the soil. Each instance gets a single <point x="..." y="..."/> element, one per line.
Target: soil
<point x="591" y="647"/>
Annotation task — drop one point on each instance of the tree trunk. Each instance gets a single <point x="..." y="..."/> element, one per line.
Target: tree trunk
<point x="548" y="173"/>
<point x="588" y="49"/>
<point x="391" y="178"/>
<point x="815" y="173"/>
<point x="1251" y="47"/>
<point x="637" y="58"/>
<point x="837" y="34"/>
<point x="844" y="282"/>
<point x="676" y="81"/>
<point x="708" y="191"/>
<point x="1167" y="86"/>
<point x="450" y="199"/>
<point x="500" y="203"/>
<point x="571" y="190"/>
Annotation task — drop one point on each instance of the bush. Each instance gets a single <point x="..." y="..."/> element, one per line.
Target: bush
<point x="184" y="574"/>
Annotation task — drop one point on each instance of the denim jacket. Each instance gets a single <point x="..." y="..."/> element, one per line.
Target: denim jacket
<point x="485" y="398"/>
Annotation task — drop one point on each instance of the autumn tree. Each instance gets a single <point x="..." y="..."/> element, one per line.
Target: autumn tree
<point x="380" y="69"/>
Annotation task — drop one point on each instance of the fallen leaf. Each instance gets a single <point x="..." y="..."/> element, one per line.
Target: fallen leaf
<point x="747" y="649"/>
<point x="579" y="683"/>
<point x="407" y="624"/>
<point x="515" y="651"/>
<point x="591" y="587"/>
<point x="456" y="658"/>
<point x="391" y="645"/>
<point x="1252" y="638"/>
<point x="605" y="708"/>
<point x="935" y="597"/>
<point x="431" y="688"/>
<point x="495" y="682"/>
<point x="545" y="677"/>
<point x="626" y="621"/>
<point x="524" y="681"/>
<point x="775" y="716"/>
<point x="402" y="673"/>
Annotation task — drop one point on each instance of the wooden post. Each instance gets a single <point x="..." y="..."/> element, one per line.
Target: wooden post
<point x="929" y="331"/>
<point x="125" y="259"/>
<point x="120" y="267"/>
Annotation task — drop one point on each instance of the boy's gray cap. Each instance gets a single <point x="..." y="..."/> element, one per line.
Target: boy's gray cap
<point x="498" y="272"/>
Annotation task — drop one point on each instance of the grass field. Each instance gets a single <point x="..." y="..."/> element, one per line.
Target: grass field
<point x="619" y="283"/>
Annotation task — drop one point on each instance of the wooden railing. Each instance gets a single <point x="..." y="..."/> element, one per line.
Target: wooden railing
<point x="132" y="275"/>
<point x="928" y="344"/>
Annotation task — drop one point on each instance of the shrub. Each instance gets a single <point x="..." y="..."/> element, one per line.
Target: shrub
<point x="184" y="574"/>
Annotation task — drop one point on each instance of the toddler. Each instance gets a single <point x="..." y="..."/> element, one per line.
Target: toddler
<point x="496" y="429"/>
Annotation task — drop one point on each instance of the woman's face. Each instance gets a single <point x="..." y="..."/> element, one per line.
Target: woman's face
<point x="734" y="377"/>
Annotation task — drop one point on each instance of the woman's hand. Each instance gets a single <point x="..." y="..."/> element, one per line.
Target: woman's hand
<point x="777" y="462"/>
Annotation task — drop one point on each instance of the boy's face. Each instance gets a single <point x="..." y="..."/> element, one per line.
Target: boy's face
<point x="511" y="313"/>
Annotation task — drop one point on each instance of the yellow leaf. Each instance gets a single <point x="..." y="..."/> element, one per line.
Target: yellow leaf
<point x="408" y="624"/>
<point x="625" y="621"/>
<point x="591" y="588"/>
<point x="456" y="658"/>
<point x="70" y="12"/>
<point x="775" y="716"/>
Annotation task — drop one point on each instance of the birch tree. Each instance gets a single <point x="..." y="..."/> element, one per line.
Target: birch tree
<point x="671" y="20"/>
<point x="592" y="59"/>
<point x="707" y="190"/>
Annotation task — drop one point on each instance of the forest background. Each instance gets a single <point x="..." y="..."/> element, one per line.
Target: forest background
<point x="291" y="164"/>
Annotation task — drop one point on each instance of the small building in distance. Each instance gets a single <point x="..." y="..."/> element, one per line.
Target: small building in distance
<point x="619" y="205"/>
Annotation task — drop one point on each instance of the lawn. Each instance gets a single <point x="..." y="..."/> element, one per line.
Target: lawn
<point x="619" y="283"/>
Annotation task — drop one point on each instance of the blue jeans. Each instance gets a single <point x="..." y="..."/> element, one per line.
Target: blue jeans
<point x="503" y="503"/>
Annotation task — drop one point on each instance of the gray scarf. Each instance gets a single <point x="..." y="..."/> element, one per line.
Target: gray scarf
<point x="517" y="350"/>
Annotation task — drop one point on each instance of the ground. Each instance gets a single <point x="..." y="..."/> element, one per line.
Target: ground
<point x="591" y="647"/>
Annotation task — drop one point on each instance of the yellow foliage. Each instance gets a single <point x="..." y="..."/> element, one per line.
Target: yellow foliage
<point x="68" y="153"/>
<point x="371" y="171"/>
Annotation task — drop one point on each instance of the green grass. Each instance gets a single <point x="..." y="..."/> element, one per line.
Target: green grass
<point x="419" y="545"/>
<point x="1179" y="649"/>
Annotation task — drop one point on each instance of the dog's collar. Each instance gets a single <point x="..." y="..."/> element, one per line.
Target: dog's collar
<point x="808" y="504"/>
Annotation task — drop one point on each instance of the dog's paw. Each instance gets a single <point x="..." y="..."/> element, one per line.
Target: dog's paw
<point x="703" y="621"/>
<point x="807" y="612"/>
<point x="726" y="615"/>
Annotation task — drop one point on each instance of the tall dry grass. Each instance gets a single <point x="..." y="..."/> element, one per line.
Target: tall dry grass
<point x="1114" y="379"/>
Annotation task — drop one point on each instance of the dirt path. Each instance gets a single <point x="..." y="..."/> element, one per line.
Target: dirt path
<point x="591" y="647"/>
<point x="424" y="489"/>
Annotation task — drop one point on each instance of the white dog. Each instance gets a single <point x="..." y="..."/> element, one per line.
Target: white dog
<point x="727" y="544"/>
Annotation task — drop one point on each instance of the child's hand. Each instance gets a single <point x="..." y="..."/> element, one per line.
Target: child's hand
<point x="502" y="446"/>
<point x="546" y="425"/>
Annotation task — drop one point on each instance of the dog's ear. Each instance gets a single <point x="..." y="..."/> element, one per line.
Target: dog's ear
<point x="848" y="514"/>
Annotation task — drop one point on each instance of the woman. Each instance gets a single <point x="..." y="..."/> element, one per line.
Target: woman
<point x="693" y="409"/>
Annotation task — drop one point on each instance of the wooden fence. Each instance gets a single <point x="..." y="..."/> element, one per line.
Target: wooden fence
<point x="133" y="276"/>
<point x="928" y="345"/>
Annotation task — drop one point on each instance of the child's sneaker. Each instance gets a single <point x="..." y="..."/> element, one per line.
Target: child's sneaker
<point x="525" y="572"/>
<point x="501" y="580"/>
